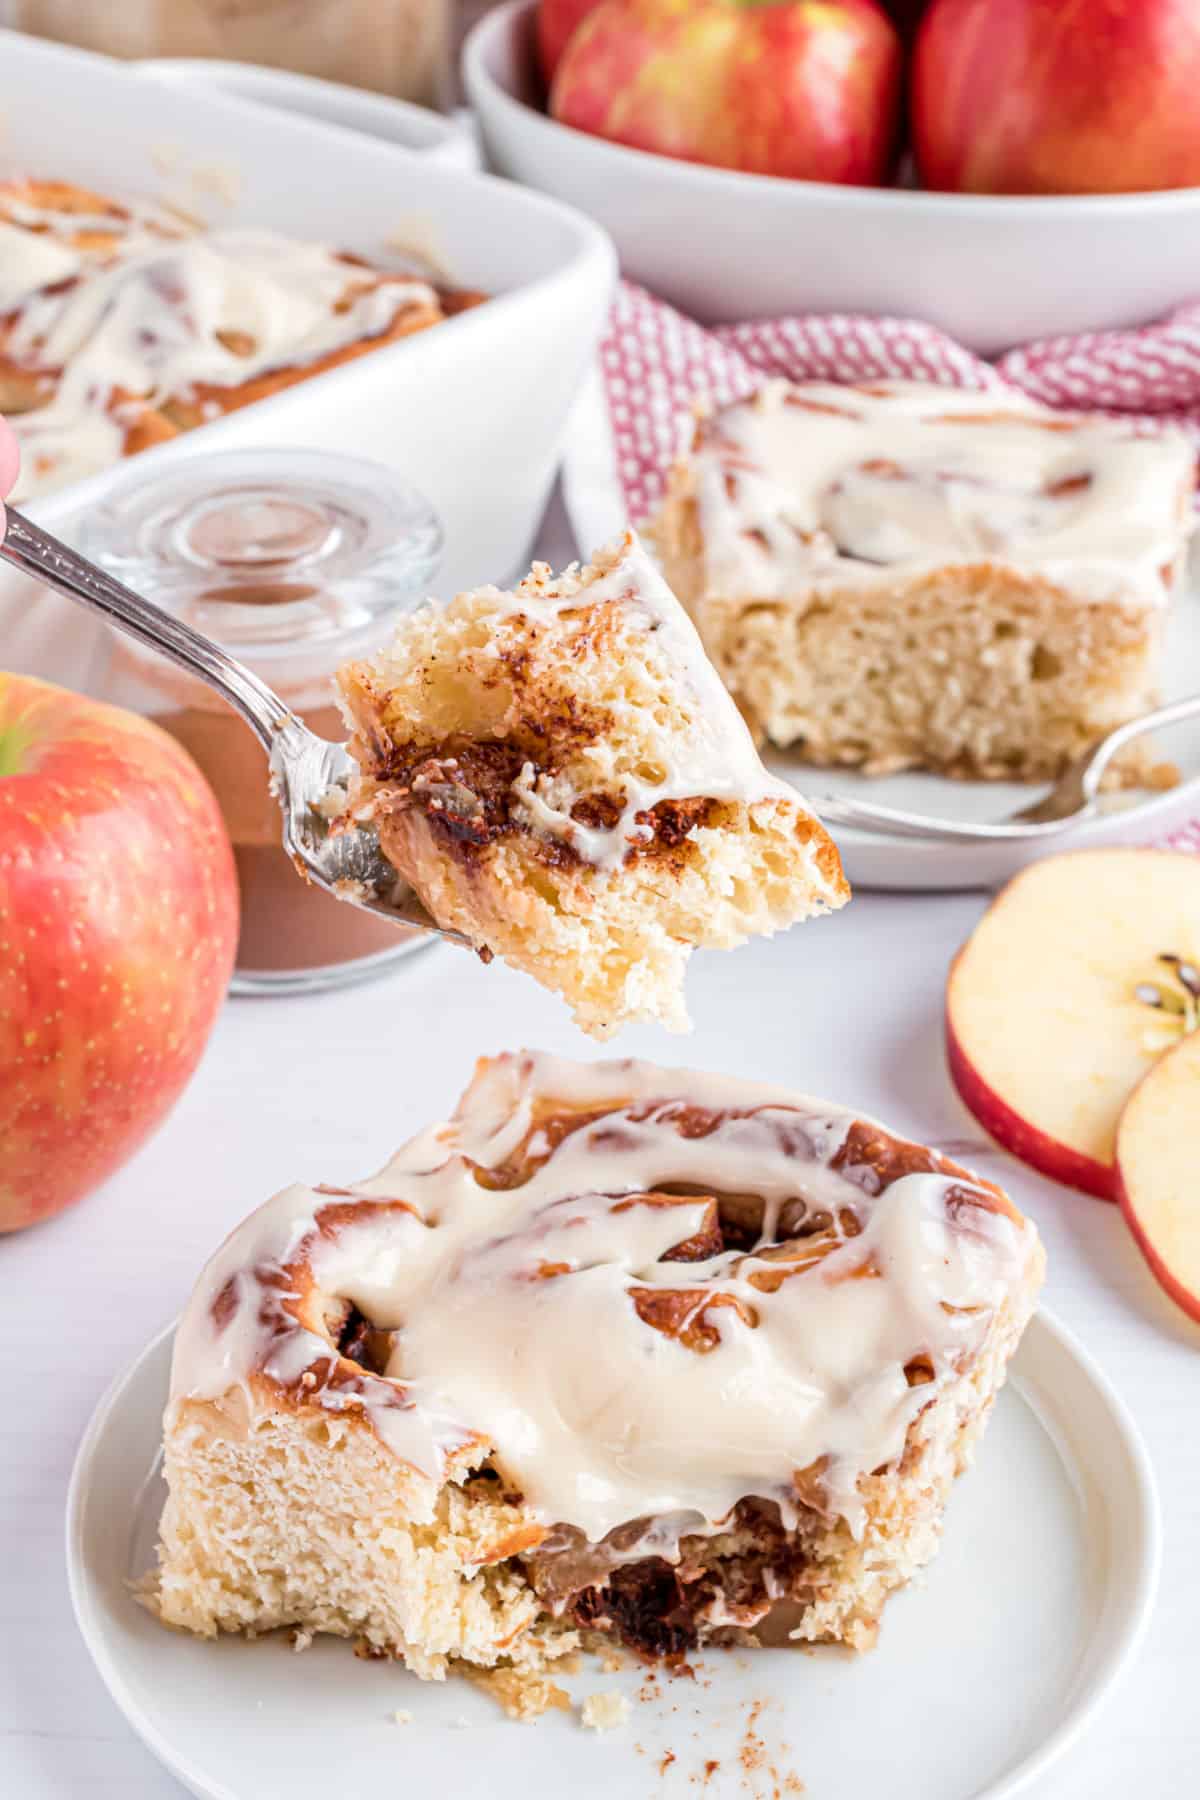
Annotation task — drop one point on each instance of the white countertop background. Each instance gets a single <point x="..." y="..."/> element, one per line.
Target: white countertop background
<point x="326" y="1087"/>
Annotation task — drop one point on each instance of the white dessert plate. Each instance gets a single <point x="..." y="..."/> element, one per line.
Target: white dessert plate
<point x="596" y="510"/>
<point x="984" y="1673"/>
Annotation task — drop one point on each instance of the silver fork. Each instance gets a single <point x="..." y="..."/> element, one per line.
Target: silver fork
<point x="347" y="863"/>
<point x="1074" y="798"/>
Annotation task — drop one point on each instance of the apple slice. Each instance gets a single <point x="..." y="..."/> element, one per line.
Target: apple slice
<point x="1158" y="1171"/>
<point x="1081" y="973"/>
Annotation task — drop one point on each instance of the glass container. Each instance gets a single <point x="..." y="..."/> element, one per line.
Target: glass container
<point x="294" y="562"/>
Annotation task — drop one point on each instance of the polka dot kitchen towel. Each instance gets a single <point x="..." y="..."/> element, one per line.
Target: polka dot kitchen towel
<point x="655" y="366"/>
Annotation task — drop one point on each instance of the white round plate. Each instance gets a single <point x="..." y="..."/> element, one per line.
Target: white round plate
<point x="984" y="1672"/>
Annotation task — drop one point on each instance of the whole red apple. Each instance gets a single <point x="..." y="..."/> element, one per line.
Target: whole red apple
<point x="906" y="15"/>
<point x="802" y="88"/>
<point x="1038" y="97"/>
<point x="118" y="924"/>
<point x="556" y="23"/>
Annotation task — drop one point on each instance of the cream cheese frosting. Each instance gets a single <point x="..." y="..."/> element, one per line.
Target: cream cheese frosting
<point x="517" y="1255"/>
<point x="819" y="483"/>
<point x="157" y="317"/>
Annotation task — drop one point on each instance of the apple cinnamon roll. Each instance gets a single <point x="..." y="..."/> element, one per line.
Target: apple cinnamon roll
<point x="669" y="1357"/>
<point x="560" y="775"/>
<point x="896" y="575"/>
<point x="121" y="326"/>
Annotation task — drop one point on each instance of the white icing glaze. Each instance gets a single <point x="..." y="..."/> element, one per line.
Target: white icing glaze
<point x="713" y="757"/>
<point x="597" y="1416"/>
<point x="147" y="320"/>
<point x="845" y="484"/>
<point x="29" y="261"/>
<point x="138" y="219"/>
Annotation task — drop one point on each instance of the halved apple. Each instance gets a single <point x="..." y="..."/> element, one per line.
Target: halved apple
<point x="1158" y="1171"/>
<point x="1081" y="973"/>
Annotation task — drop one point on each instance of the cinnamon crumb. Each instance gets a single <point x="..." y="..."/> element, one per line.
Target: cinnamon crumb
<point x="753" y="1752"/>
<point x="755" y="1759"/>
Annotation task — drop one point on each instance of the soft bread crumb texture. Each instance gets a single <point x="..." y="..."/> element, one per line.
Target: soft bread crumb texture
<point x="290" y="1519"/>
<point x="521" y="1694"/>
<point x="483" y="714"/>
<point x="604" y="1712"/>
<point x="982" y="671"/>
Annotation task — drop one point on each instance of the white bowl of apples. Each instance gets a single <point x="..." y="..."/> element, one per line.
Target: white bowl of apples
<point x="1018" y="99"/>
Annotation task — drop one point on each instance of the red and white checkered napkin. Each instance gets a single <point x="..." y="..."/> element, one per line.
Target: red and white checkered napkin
<point x="655" y="364"/>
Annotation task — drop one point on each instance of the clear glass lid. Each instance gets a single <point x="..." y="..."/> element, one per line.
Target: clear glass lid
<point x="269" y="550"/>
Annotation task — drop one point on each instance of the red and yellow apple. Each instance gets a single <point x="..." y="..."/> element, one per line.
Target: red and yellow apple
<point x="1158" y="1171"/>
<point x="118" y="925"/>
<point x="800" y="88"/>
<point x="1070" y="988"/>
<point x="1039" y="97"/>
<point x="556" y="24"/>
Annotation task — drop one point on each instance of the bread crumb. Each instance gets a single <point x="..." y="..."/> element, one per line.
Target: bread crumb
<point x="604" y="1712"/>
<point x="401" y="1716"/>
<point x="521" y="1693"/>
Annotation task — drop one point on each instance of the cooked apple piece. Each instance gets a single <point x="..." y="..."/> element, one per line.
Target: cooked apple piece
<point x="1158" y="1171"/>
<point x="1082" y="972"/>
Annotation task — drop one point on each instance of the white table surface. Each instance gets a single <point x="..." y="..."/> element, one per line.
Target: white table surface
<point x="324" y="1088"/>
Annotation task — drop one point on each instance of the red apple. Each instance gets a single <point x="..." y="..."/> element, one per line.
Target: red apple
<point x="556" y="23"/>
<point x="1158" y="1159"/>
<point x="1069" y="989"/>
<point x="805" y="88"/>
<point x="906" y="15"/>
<point x="118" y="924"/>
<point x="1039" y="97"/>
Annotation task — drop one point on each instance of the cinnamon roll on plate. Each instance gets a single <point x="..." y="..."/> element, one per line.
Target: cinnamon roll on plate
<point x="670" y="1358"/>
<point x="897" y="575"/>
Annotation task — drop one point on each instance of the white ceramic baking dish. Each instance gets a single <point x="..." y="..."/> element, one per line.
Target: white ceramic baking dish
<point x="721" y="245"/>
<point x="473" y="411"/>
<point x="326" y="102"/>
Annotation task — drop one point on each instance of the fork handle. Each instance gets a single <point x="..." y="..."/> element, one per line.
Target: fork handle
<point x="46" y="558"/>
<point x="834" y="809"/>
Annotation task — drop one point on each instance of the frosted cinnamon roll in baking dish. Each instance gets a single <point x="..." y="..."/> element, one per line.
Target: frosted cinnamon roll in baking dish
<point x="123" y="325"/>
<point x="670" y="1357"/>
<point x="900" y="575"/>
<point x="560" y="775"/>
